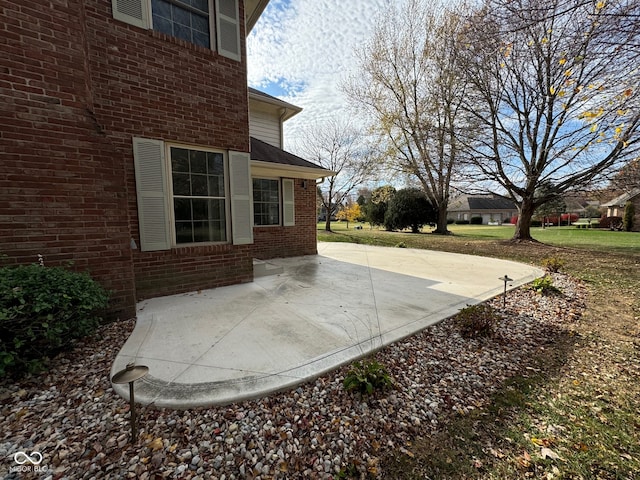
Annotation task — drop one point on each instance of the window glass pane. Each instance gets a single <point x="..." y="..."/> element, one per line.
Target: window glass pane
<point x="180" y="15"/>
<point x="198" y="162"/>
<point x="182" y="209"/>
<point x="161" y="8"/>
<point x="181" y="184"/>
<point x="200" y="23"/>
<point x="200" y="209"/>
<point x="184" y="232"/>
<point x="179" y="159"/>
<point x="216" y="210"/>
<point x="199" y="195"/>
<point x="201" y="39"/>
<point x="200" y="5"/>
<point x="199" y="186"/>
<point x="163" y="25"/>
<point x="274" y="214"/>
<point x="216" y="186"/>
<point x="201" y="232"/>
<point x="182" y="32"/>
<point x="215" y="163"/>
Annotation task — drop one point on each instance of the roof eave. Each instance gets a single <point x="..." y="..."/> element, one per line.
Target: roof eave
<point x="259" y="167"/>
<point x="289" y="109"/>
<point x="253" y="10"/>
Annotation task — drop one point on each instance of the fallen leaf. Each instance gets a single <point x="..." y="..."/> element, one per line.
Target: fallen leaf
<point x="548" y="453"/>
<point x="156" y="444"/>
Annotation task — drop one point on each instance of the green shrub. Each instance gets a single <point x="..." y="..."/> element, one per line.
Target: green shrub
<point x="553" y="264"/>
<point x="627" y="219"/>
<point x="544" y="285"/>
<point x="477" y="321"/>
<point x="42" y="311"/>
<point x="365" y="377"/>
<point x="476" y="221"/>
<point x="462" y="222"/>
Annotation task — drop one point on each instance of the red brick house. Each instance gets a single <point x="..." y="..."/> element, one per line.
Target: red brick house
<point x="125" y="146"/>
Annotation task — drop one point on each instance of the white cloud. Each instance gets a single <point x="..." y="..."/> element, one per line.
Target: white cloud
<point x="300" y="51"/>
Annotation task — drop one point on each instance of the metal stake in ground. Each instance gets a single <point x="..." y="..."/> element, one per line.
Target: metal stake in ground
<point x="130" y="375"/>
<point x="505" y="279"/>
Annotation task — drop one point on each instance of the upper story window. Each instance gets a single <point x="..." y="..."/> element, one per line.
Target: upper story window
<point x="185" y="19"/>
<point x="212" y="24"/>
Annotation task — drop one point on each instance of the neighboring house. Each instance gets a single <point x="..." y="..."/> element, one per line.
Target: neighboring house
<point x="615" y="207"/>
<point x="129" y="150"/>
<point x="491" y="208"/>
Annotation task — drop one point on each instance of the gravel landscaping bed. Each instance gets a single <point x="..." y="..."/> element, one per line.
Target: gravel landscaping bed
<point x="72" y="417"/>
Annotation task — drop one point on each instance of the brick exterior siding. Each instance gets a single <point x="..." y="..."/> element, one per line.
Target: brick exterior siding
<point x="274" y="242"/>
<point x="61" y="176"/>
<point x="75" y="87"/>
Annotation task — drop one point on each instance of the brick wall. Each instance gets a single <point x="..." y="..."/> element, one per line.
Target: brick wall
<point x="152" y="85"/>
<point x="75" y="87"/>
<point x="301" y="239"/>
<point x="63" y="184"/>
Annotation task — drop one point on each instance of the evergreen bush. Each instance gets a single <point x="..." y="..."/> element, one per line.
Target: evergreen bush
<point x="43" y="310"/>
<point x="627" y="219"/>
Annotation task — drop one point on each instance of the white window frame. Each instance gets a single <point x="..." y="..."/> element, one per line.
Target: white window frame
<point x="227" y="195"/>
<point x="154" y="194"/>
<point x="140" y="14"/>
<point x="280" y="200"/>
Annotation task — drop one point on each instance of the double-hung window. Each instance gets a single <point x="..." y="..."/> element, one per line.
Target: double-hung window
<point x="191" y="195"/>
<point x="273" y="202"/>
<point x="212" y="24"/>
<point x="199" y="195"/>
<point x="266" y="201"/>
<point x="185" y="19"/>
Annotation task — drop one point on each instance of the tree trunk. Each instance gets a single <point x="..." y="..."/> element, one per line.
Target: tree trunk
<point x="523" y="227"/>
<point x="327" y="225"/>
<point x="441" y="225"/>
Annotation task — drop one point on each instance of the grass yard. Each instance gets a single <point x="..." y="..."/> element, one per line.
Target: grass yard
<point x="581" y="395"/>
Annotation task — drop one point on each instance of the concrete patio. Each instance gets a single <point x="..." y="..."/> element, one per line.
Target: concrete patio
<point x="310" y="315"/>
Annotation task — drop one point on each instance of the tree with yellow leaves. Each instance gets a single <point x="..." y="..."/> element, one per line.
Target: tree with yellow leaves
<point x="350" y="213"/>
<point x="556" y="91"/>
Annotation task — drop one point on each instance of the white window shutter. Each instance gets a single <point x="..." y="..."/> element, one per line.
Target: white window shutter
<point x="241" y="201"/>
<point x="134" y="12"/>
<point x="151" y="188"/>
<point x="228" y="28"/>
<point x="288" y="206"/>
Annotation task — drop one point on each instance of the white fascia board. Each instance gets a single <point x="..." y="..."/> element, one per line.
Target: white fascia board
<point x="269" y="169"/>
<point x="275" y="104"/>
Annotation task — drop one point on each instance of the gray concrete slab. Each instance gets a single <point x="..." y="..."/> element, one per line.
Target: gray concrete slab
<point x="228" y="344"/>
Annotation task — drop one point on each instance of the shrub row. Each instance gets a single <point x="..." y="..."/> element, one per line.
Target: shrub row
<point x="43" y="310"/>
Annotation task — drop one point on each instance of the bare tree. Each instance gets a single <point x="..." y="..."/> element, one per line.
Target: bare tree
<point x="337" y="146"/>
<point x="410" y="86"/>
<point x="556" y="89"/>
<point x="627" y="178"/>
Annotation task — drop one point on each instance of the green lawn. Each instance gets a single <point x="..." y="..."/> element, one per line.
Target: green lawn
<point x="591" y="366"/>
<point x="591" y="238"/>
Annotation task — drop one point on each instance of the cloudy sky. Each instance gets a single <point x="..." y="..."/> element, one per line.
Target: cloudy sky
<point x="300" y="51"/>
